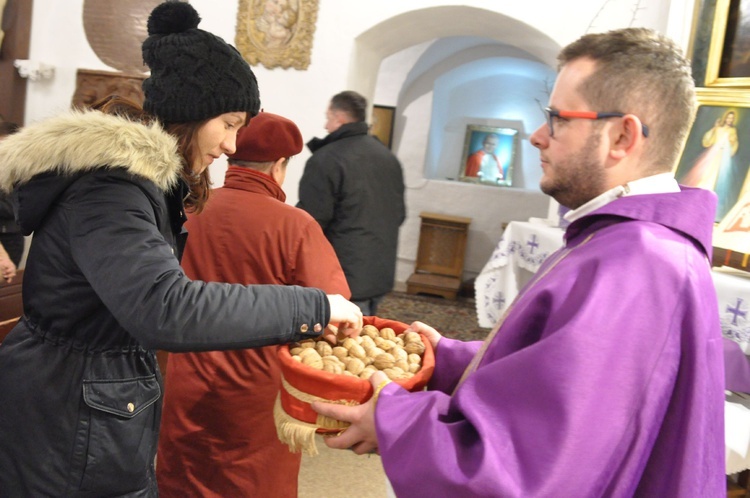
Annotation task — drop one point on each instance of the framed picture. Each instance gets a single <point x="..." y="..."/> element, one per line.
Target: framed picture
<point x="276" y="34"/>
<point x="382" y="123"/>
<point x="716" y="154"/>
<point x="488" y="157"/>
<point x="729" y="50"/>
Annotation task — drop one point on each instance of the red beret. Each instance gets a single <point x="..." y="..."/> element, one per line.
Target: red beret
<point x="268" y="137"/>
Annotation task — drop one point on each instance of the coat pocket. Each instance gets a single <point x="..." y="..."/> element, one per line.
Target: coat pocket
<point x="118" y="433"/>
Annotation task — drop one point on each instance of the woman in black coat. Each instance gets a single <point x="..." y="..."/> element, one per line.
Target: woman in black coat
<point x="104" y="194"/>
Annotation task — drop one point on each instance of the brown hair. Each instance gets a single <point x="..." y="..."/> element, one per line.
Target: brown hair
<point x="640" y="72"/>
<point x="199" y="185"/>
<point x="8" y="128"/>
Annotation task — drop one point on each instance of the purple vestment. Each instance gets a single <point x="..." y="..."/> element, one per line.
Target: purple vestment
<point x="605" y="379"/>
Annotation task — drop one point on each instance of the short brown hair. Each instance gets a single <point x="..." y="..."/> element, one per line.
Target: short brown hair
<point x="351" y="103"/>
<point x="641" y="72"/>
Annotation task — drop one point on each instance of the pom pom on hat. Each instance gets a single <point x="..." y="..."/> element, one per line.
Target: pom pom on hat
<point x="268" y="137"/>
<point x="195" y="75"/>
<point x="172" y="17"/>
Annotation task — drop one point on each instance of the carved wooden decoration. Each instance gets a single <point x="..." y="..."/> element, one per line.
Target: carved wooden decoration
<point x="94" y="85"/>
<point x="276" y="33"/>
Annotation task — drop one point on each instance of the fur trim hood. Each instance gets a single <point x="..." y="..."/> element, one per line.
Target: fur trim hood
<point x="87" y="140"/>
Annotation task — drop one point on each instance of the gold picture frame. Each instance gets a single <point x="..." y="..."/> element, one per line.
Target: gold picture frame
<point x="276" y="33"/>
<point x="716" y="154"/>
<point x="728" y="62"/>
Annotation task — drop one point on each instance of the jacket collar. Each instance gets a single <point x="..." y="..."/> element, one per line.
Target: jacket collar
<point x="690" y="211"/>
<point x="250" y="180"/>
<point x="344" y="131"/>
<point x="81" y="141"/>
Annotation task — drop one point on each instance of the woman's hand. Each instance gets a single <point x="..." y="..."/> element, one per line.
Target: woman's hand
<point x="346" y="317"/>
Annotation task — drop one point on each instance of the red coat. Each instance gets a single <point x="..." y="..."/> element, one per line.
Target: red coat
<point x="218" y="437"/>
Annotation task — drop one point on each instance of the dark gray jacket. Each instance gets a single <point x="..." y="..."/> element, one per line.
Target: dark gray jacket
<point x="354" y="187"/>
<point x="103" y="289"/>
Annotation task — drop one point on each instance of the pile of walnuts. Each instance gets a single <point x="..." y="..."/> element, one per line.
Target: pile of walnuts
<point x="398" y="356"/>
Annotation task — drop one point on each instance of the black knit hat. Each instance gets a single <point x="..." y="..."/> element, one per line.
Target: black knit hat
<point x="195" y="75"/>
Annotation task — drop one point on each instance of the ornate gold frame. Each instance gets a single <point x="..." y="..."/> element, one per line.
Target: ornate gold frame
<point x="716" y="49"/>
<point x="276" y="39"/>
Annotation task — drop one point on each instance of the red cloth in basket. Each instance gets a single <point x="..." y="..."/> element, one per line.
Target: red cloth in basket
<point x="337" y="387"/>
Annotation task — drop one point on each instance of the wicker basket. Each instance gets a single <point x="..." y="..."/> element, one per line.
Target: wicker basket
<point x="297" y="422"/>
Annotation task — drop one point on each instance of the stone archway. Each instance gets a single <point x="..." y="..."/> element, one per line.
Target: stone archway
<point x="417" y="26"/>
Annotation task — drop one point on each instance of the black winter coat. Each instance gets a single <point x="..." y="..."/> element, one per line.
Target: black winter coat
<point x="103" y="289"/>
<point x="353" y="186"/>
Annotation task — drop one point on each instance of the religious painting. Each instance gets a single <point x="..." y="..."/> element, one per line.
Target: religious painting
<point x="276" y="33"/>
<point x="729" y="50"/>
<point x="716" y="154"/>
<point x="382" y="123"/>
<point x="488" y="156"/>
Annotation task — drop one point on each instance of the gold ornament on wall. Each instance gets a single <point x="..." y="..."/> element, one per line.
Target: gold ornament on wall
<point x="276" y="33"/>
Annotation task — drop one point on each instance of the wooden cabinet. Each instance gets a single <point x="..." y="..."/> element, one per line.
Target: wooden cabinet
<point x="440" y="256"/>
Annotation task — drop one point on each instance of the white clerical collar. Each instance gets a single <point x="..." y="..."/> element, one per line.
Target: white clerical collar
<point x="656" y="184"/>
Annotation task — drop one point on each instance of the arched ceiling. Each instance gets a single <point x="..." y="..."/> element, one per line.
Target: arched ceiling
<point x="418" y="26"/>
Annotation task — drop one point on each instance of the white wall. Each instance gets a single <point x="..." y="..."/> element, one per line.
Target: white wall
<point x="351" y="40"/>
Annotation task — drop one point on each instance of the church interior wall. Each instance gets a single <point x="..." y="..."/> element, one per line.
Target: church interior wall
<point x="419" y="56"/>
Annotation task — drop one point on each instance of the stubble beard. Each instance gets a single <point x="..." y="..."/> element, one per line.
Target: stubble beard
<point x="578" y="178"/>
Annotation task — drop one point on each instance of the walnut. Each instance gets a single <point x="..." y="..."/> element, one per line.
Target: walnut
<point x="332" y="364"/>
<point x="387" y="344"/>
<point x="383" y="361"/>
<point x="349" y="342"/>
<point x="323" y="348"/>
<point x="340" y="352"/>
<point x="357" y="351"/>
<point x="414" y="358"/>
<point x="355" y="366"/>
<point x="374" y="352"/>
<point x="399" y="353"/>
<point x="367" y="343"/>
<point x="411" y="337"/>
<point x="387" y="333"/>
<point x="402" y="364"/>
<point x="370" y="331"/>
<point x="414" y="347"/>
<point x="295" y="351"/>
<point x="313" y="360"/>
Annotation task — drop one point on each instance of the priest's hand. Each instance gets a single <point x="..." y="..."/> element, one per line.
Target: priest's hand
<point x="360" y="436"/>
<point x="346" y="318"/>
<point x="432" y="335"/>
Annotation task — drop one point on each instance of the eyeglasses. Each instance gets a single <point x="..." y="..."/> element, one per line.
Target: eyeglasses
<point x="552" y="113"/>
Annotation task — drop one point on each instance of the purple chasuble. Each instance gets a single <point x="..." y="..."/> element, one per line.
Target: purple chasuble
<point x="605" y="379"/>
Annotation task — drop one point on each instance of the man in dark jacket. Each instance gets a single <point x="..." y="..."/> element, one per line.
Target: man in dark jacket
<point x="353" y="186"/>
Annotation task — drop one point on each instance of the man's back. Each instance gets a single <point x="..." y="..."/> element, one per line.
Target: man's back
<point x="353" y="186"/>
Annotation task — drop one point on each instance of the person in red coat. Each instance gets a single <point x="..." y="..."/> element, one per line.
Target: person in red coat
<point x="484" y="162"/>
<point x="218" y="436"/>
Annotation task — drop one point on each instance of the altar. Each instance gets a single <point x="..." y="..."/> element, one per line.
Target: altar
<point x="522" y="249"/>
